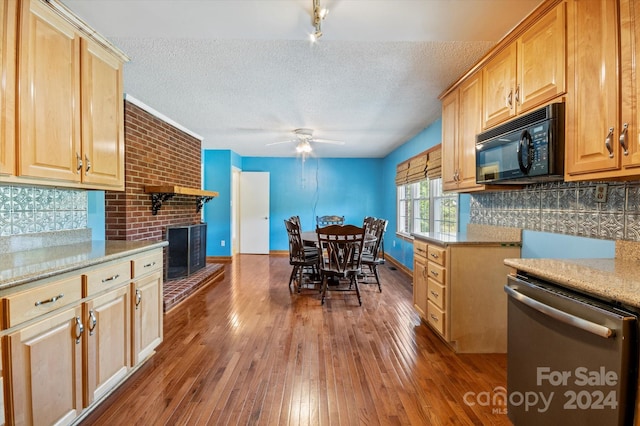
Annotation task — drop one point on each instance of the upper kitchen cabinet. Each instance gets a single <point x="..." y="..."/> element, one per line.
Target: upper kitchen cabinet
<point x="528" y="72"/>
<point x="8" y="21"/>
<point x="70" y="107"/>
<point x="461" y="121"/>
<point x="602" y="112"/>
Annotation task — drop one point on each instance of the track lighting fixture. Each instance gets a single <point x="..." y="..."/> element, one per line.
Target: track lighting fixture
<point x="319" y="13"/>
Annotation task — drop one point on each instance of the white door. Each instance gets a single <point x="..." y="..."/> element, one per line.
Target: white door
<point x="254" y="212"/>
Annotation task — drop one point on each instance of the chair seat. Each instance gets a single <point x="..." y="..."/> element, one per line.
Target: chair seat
<point x="370" y="259"/>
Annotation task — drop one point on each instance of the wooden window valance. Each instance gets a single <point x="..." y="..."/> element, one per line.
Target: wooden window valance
<point x="417" y="168"/>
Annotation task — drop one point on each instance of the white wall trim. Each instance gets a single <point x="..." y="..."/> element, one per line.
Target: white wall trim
<point x="161" y="116"/>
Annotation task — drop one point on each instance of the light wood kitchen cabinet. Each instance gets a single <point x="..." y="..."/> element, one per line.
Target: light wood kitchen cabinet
<point x="528" y="72"/>
<point x="147" y="315"/>
<point x="466" y="308"/>
<point x="461" y="121"/>
<point x="70" y="104"/>
<point x="420" y="278"/>
<point x="602" y="130"/>
<point x="107" y="319"/>
<point x="9" y="23"/>
<point x="71" y="339"/>
<point x="45" y="370"/>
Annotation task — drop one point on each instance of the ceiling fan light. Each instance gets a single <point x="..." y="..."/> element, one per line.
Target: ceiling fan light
<point x="303" y="147"/>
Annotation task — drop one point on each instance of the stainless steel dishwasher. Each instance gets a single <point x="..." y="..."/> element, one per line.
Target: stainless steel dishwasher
<point x="571" y="359"/>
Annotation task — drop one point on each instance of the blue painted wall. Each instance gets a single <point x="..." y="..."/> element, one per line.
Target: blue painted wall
<point x="557" y="246"/>
<point x="216" y="176"/>
<point x="348" y="187"/>
<point x="95" y="214"/>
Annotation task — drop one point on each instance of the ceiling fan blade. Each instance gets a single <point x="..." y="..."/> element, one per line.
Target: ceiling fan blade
<point x="327" y="141"/>
<point x="281" y="142"/>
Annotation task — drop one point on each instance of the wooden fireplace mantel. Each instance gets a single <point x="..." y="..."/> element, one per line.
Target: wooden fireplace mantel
<point x="162" y="193"/>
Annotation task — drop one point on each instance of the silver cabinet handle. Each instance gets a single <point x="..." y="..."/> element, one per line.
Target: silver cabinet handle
<point x="88" y="164"/>
<point x="52" y="300"/>
<point x="509" y="99"/>
<point x="608" y="142"/>
<point x="623" y="138"/>
<point x="550" y="311"/>
<point x="434" y="273"/>
<point x="78" y="163"/>
<point x="434" y="294"/>
<point x="435" y="256"/>
<point x="79" y="329"/>
<point x="114" y="277"/>
<point x="433" y="317"/>
<point x="93" y="321"/>
<point x="518" y="94"/>
<point x="149" y="265"/>
<point x="138" y="298"/>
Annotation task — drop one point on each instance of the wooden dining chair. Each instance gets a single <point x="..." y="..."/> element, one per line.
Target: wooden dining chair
<point x="371" y="257"/>
<point x="341" y="248"/>
<point x="322" y="221"/>
<point x="305" y="260"/>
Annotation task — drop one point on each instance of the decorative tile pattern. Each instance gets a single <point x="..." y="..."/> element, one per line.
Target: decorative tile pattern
<point x="27" y="209"/>
<point x="565" y="208"/>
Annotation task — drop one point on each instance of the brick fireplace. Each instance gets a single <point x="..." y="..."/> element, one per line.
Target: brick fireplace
<point x="156" y="153"/>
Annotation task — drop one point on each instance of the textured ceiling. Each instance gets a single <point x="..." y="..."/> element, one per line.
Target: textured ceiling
<point x="243" y="74"/>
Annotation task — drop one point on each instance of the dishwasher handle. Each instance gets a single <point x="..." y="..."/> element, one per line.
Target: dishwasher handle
<point x="581" y="323"/>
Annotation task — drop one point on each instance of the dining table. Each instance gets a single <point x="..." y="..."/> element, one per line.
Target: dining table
<point x="311" y="238"/>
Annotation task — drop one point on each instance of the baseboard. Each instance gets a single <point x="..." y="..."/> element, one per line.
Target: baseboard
<point x="219" y="259"/>
<point x="408" y="272"/>
<point x="284" y="253"/>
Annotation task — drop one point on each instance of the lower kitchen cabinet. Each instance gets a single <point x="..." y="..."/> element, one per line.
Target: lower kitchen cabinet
<point x="108" y="341"/>
<point x="463" y="293"/>
<point x="43" y="371"/>
<point x="147" y="316"/>
<point x="69" y="341"/>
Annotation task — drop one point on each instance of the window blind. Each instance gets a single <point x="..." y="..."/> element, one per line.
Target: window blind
<point x="434" y="163"/>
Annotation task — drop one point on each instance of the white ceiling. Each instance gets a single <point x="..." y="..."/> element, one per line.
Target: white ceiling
<point x="243" y="73"/>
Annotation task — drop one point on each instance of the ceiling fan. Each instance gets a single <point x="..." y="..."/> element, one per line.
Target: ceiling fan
<point x="304" y="138"/>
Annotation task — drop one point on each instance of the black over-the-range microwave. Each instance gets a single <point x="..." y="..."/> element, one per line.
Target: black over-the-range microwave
<point x="527" y="149"/>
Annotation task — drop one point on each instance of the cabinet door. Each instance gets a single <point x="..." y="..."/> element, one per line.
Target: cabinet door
<point x="499" y="82"/>
<point x="420" y="285"/>
<point x="107" y="341"/>
<point x="45" y="364"/>
<point x="592" y="98"/>
<point x="449" y="141"/>
<point x="630" y="114"/>
<point x="541" y="61"/>
<point x="147" y="316"/>
<point x="8" y="21"/>
<point x="49" y="98"/>
<point x="102" y="116"/>
<point x="470" y="124"/>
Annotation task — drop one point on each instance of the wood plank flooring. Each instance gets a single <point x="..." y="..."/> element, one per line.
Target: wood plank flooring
<point x="247" y="351"/>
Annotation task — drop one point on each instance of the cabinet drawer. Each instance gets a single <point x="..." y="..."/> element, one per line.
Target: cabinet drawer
<point x="436" y="272"/>
<point x="106" y="277"/>
<point x="420" y="248"/>
<point x="148" y="262"/>
<point x="437" y="254"/>
<point x="436" y="317"/>
<point x="20" y="307"/>
<point x="436" y="293"/>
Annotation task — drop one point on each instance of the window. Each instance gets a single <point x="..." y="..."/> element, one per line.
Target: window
<point x="423" y="207"/>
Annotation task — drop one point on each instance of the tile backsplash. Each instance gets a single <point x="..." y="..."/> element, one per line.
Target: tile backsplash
<point x="29" y="209"/>
<point x="565" y="208"/>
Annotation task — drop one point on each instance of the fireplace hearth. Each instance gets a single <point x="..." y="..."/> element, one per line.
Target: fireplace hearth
<point x="187" y="250"/>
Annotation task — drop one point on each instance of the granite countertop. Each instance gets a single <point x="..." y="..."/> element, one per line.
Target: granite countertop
<point x="476" y="234"/>
<point x="610" y="279"/>
<point x="25" y="266"/>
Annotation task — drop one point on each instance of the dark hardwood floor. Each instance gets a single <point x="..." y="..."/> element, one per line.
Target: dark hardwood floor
<point x="246" y="351"/>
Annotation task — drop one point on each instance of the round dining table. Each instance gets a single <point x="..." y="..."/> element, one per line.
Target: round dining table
<point x="311" y="237"/>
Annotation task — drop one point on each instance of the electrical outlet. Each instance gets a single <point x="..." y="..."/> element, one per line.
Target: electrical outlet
<point x="601" y="192"/>
<point x="222" y="243"/>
